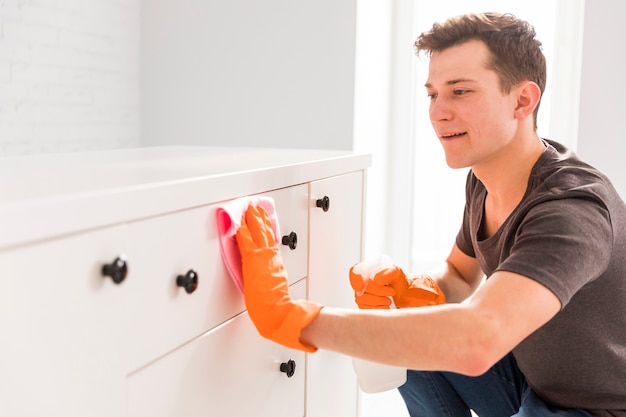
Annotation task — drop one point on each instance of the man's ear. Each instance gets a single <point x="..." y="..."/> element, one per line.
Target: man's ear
<point x="528" y="96"/>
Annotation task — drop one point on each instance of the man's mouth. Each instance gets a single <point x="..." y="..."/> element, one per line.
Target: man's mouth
<point x="452" y="135"/>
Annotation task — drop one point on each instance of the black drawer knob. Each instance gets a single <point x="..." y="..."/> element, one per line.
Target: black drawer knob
<point x="323" y="203"/>
<point x="289" y="368"/>
<point x="189" y="281"/>
<point x="116" y="270"/>
<point x="291" y="240"/>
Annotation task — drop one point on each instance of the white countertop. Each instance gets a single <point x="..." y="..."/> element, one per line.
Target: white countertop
<point x="42" y="196"/>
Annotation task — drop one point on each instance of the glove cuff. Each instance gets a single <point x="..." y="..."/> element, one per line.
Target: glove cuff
<point x="301" y="314"/>
<point x="287" y="331"/>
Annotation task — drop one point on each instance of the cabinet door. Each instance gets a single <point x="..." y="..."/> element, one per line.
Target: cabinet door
<point x="335" y="245"/>
<point x="229" y="371"/>
<point x="64" y="332"/>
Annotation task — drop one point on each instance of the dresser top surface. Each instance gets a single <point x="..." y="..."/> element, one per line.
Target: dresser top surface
<point x="92" y="189"/>
<point x="38" y="177"/>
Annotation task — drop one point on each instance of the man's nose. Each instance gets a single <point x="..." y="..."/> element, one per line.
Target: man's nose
<point x="439" y="109"/>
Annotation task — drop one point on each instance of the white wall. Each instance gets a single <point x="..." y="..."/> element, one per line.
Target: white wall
<point x="601" y="141"/>
<point x="101" y="74"/>
<point x="276" y="73"/>
<point x="68" y="75"/>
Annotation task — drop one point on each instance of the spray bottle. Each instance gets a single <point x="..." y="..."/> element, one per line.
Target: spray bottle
<point x="373" y="376"/>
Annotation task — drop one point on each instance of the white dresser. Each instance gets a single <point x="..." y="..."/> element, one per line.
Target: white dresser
<point x="114" y="300"/>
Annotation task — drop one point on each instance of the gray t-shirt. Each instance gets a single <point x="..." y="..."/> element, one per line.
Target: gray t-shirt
<point x="569" y="234"/>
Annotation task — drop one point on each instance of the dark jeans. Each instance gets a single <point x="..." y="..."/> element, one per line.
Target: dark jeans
<point x="500" y="392"/>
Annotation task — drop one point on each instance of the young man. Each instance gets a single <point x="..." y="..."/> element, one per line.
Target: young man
<point x="545" y="334"/>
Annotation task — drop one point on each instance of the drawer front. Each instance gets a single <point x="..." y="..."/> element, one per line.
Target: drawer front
<point x="64" y="330"/>
<point x="165" y="315"/>
<point x="163" y="248"/>
<point x="229" y="371"/>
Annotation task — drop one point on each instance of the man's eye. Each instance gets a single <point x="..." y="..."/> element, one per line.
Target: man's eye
<point x="460" y="92"/>
<point x="432" y="96"/>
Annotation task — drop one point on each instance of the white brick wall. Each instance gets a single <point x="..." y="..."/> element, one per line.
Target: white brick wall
<point x="69" y="75"/>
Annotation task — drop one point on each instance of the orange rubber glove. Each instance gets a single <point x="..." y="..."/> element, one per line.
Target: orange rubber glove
<point x="275" y="315"/>
<point x="415" y="291"/>
<point x="370" y="295"/>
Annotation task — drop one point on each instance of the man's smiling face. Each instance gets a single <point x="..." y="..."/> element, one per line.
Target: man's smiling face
<point x="472" y="117"/>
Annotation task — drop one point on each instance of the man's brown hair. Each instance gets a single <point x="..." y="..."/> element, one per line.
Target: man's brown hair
<point x="516" y="55"/>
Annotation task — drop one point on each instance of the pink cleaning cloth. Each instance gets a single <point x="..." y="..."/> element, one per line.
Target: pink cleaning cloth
<point x="228" y="221"/>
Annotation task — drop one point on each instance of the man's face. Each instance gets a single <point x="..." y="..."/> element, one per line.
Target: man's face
<point x="473" y="119"/>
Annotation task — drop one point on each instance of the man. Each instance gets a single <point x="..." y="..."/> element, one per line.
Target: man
<point x="545" y="333"/>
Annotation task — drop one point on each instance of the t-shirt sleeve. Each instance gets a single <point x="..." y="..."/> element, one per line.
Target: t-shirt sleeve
<point x="562" y="244"/>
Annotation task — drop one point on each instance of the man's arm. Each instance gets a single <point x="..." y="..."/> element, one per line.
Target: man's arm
<point x="466" y="338"/>
<point x="458" y="277"/>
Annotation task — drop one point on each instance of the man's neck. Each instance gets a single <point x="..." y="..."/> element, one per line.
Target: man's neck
<point x="506" y="177"/>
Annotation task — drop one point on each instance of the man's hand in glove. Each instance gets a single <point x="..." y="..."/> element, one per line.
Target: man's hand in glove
<point x="416" y="291"/>
<point x="370" y="294"/>
<point x="276" y="316"/>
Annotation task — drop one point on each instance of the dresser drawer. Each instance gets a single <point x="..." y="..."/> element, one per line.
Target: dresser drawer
<point x="229" y="371"/>
<point x="64" y="329"/>
<point x="165" y="315"/>
<point x="163" y="248"/>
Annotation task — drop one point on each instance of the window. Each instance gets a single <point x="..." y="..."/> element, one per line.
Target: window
<point x="414" y="201"/>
